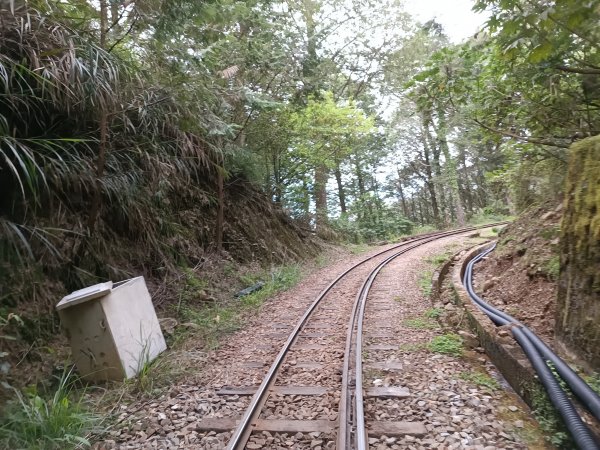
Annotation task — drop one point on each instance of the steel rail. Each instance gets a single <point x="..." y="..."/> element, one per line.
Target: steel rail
<point x="361" y="434"/>
<point x="244" y="429"/>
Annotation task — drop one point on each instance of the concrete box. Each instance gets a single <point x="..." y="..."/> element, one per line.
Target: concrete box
<point x="113" y="329"/>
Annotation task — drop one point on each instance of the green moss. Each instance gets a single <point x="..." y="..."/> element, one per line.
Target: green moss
<point x="582" y="183"/>
<point x="579" y="290"/>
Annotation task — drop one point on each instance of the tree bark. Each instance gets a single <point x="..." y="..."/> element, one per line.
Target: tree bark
<point x="450" y="167"/>
<point x="436" y="172"/>
<point x="340" y="186"/>
<point x="321" y="176"/>
<point x="401" y="193"/>
<point x="429" y="182"/>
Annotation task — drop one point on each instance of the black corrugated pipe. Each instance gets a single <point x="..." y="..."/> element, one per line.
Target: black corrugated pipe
<point x="588" y="397"/>
<point x="580" y="432"/>
<point x="537" y="355"/>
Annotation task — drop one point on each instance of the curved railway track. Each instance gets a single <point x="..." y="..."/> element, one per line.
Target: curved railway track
<point x="343" y="326"/>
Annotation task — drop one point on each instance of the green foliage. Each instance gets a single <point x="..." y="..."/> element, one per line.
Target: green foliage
<point x="486" y="217"/>
<point x="60" y="86"/>
<point x="447" y="344"/>
<point x="480" y="379"/>
<point x="58" y="422"/>
<point x="384" y="224"/>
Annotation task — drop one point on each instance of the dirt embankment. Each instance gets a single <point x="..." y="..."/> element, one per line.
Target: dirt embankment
<point x="187" y="275"/>
<point x="519" y="277"/>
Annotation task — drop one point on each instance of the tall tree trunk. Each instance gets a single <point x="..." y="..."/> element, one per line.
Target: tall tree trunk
<point x="268" y="181"/>
<point x="305" y="199"/>
<point x="321" y="176"/>
<point x="429" y="184"/>
<point x="464" y="180"/>
<point x="277" y="188"/>
<point x="420" y="204"/>
<point x="361" y="188"/>
<point x="340" y="186"/>
<point x="401" y="193"/>
<point x="114" y="18"/>
<point x="100" y="164"/>
<point x="436" y="169"/>
<point x="310" y="63"/>
<point x="450" y="167"/>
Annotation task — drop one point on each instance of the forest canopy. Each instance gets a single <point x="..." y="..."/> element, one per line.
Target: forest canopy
<point x="135" y="120"/>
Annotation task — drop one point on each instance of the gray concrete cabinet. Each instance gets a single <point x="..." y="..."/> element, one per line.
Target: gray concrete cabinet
<point x="113" y="329"/>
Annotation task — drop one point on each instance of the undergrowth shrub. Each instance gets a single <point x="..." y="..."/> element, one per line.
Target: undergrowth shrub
<point x="389" y="224"/>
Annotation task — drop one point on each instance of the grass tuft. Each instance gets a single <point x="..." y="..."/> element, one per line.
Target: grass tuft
<point x="438" y="259"/>
<point x="480" y="379"/>
<point x="61" y="421"/>
<point x="447" y="344"/>
<point x="434" y="313"/>
<point x="425" y="282"/>
<point x="420" y="323"/>
<point x="552" y="267"/>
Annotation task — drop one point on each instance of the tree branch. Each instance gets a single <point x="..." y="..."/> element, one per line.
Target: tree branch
<point x="526" y="139"/>
<point x="582" y="70"/>
<point x="118" y="41"/>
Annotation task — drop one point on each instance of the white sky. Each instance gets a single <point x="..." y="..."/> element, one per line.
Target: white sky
<point x="456" y="17"/>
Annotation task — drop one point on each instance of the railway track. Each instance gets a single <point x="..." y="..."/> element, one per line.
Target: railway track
<point x="320" y="367"/>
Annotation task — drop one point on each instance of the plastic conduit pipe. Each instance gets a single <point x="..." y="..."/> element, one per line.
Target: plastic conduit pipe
<point x="537" y="354"/>
<point x="588" y="397"/>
